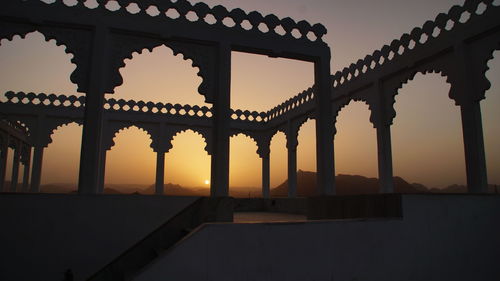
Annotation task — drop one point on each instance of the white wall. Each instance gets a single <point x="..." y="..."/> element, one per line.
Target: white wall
<point x="441" y="237"/>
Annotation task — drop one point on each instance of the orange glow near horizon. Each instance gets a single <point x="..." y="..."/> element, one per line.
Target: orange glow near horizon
<point x="426" y="134"/>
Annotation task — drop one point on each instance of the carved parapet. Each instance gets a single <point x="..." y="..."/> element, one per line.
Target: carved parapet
<point x="45" y="100"/>
<point x="293" y="103"/>
<point x="159" y="108"/>
<point x="419" y="36"/>
<point x="201" y="13"/>
<point x="249" y="116"/>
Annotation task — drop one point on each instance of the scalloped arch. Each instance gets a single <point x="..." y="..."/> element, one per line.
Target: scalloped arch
<point x="276" y="132"/>
<point x="246" y="134"/>
<point x="76" y="43"/>
<point x="292" y="137"/>
<point x="201" y="57"/>
<point x="304" y="120"/>
<point x="487" y="83"/>
<point x="339" y="107"/>
<point x="403" y="80"/>
<point x="52" y="128"/>
<point x="196" y="131"/>
<point x="407" y="78"/>
<point x="122" y="127"/>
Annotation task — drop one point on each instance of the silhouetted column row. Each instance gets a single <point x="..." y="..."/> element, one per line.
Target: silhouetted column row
<point x="36" y="173"/>
<point x="21" y="155"/>
<point x="3" y="161"/>
<point x="26" y="172"/>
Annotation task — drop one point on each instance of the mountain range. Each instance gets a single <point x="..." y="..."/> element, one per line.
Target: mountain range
<point x="306" y="186"/>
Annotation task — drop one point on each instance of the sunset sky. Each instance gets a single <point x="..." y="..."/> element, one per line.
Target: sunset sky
<point x="427" y="134"/>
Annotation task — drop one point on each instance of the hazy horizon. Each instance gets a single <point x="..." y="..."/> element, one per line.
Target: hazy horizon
<point x="427" y="125"/>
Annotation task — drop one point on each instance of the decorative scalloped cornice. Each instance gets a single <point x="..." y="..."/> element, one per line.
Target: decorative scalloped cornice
<point x="200" y="13"/>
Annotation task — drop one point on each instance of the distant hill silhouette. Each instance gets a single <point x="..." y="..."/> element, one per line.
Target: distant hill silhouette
<point x="345" y="185"/>
<point x="306" y="186"/>
<point x="355" y="184"/>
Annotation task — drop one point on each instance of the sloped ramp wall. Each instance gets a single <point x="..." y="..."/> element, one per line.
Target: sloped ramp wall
<point x="440" y="237"/>
<point x="43" y="235"/>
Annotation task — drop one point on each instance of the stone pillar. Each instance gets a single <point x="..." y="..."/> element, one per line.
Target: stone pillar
<point x="3" y="162"/>
<point x="382" y="122"/>
<point x="386" y="180"/>
<point x="160" y="173"/>
<point x="466" y="91"/>
<point x="15" y="168"/>
<point x="475" y="161"/>
<point x="26" y="173"/>
<point x="219" y="181"/>
<point x="36" y="174"/>
<point x="291" y="146"/>
<point x="90" y="156"/>
<point x="324" y="126"/>
<point x="266" y="176"/>
<point x="102" y="172"/>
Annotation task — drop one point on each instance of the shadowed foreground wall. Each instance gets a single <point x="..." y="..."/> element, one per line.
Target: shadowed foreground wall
<point x="43" y="234"/>
<point x="440" y="237"/>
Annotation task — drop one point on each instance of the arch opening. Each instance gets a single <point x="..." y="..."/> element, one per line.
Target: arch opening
<point x="491" y="126"/>
<point x="25" y="61"/>
<point x="160" y="76"/>
<point x="245" y="173"/>
<point x="278" y="165"/>
<point x="61" y="160"/>
<point x="256" y="90"/>
<point x="306" y="159"/>
<point x="427" y="140"/>
<point x="355" y="150"/>
<point x="187" y="165"/>
<point x="130" y="164"/>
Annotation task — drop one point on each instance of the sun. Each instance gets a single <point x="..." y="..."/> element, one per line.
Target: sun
<point x="207" y="182"/>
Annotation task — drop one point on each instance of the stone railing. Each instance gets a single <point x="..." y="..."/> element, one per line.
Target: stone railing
<point x="44" y="99"/>
<point x="182" y="10"/>
<point x="290" y="104"/>
<point x="419" y="36"/>
<point x="160" y="108"/>
<point x="251" y="116"/>
<point x="127" y="106"/>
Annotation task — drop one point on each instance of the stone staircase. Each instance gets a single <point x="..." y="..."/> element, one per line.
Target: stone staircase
<point x="203" y="210"/>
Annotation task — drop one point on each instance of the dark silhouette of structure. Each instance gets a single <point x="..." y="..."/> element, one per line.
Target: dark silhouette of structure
<point x="101" y="34"/>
